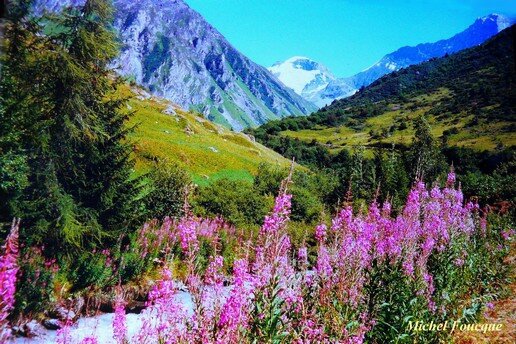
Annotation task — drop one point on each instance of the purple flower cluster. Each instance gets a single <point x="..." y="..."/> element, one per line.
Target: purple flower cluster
<point x="275" y="290"/>
<point x="8" y="272"/>
<point x="119" y="320"/>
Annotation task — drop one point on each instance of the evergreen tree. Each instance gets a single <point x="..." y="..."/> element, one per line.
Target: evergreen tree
<point x="392" y="177"/>
<point x="363" y="175"/>
<point x="15" y="114"/>
<point x="73" y="132"/>
<point x="424" y="158"/>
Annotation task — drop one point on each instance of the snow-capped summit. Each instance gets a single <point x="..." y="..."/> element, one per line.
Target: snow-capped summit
<point x="305" y="76"/>
<point x="314" y="82"/>
<point x="502" y="22"/>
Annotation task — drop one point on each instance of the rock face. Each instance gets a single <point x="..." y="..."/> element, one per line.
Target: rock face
<point x="317" y="84"/>
<point x="173" y="51"/>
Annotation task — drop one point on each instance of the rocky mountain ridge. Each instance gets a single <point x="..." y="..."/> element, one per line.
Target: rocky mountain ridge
<point x="170" y="49"/>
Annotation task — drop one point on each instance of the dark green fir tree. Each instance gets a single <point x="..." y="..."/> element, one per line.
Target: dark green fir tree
<point x="72" y="186"/>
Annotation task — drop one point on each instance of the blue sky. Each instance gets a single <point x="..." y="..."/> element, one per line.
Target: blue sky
<point x="346" y="36"/>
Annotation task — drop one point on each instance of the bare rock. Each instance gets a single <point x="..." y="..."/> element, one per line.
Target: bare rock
<point x="135" y="307"/>
<point x="52" y="324"/>
<point x="63" y="314"/>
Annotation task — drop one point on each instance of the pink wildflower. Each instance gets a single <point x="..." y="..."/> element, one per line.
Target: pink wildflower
<point x="119" y="320"/>
<point x="320" y="232"/>
<point x="8" y="270"/>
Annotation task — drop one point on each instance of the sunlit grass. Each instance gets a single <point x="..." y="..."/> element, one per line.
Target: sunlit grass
<point x="481" y="136"/>
<point x="206" y="150"/>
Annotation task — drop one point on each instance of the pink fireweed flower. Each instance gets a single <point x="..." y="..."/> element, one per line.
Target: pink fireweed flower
<point x="458" y="262"/>
<point x="320" y="232"/>
<point x="343" y="220"/>
<point x="302" y="256"/>
<point x="63" y="335"/>
<point x="119" y="320"/>
<point x="213" y="276"/>
<point x="8" y="270"/>
<point x="451" y="179"/>
<point x="187" y="229"/>
<point x="167" y="318"/>
<point x="324" y="268"/>
<point x="235" y="311"/>
<point x="508" y="234"/>
<point x="90" y="340"/>
<point x="280" y="215"/>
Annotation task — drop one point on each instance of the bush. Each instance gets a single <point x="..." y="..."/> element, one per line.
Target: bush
<point x="312" y="191"/>
<point x="306" y="206"/>
<point x="91" y="269"/>
<point x="167" y="196"/>
<point x="35" y="285"/>
<point x="236" y="201"/>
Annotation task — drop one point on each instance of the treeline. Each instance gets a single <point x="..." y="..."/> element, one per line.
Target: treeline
<point x="393" y="168"/>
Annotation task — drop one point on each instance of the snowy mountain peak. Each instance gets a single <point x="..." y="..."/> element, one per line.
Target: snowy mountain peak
<point x="501" y="21"/>
<point x="304" y="75"/>
<point x="314" y="82"/>
<point x="482" y="29"/>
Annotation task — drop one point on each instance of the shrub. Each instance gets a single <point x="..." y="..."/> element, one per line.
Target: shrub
<point x="91" y="269"/>
<point x="168" y="183"/>
<point x="236" y="201"/>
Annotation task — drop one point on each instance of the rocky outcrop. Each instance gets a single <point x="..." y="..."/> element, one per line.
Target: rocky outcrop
<point x="170" y="49"/>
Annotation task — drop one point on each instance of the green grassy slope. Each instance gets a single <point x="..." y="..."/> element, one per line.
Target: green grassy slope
<point x="206" y="150"/>
<point x="461" y="129"/>
<point x="468" y="99"/>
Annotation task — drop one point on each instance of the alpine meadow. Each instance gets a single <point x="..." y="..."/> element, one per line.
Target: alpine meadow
<point x="158" y="185"/>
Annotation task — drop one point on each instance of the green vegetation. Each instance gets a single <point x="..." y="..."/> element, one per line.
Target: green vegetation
<point x="456" y="110"/>
<point x="467" y="98"/>
<point x="207" y="151"/>
<point x="65" y="133"/>
<point x="86" y="159"/>
<point x="103" y="174"/>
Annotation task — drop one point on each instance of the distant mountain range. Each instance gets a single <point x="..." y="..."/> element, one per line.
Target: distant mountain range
<point x="317" y="84"/>
<point x="466" y="97"/>
<point x="170" y="49"/>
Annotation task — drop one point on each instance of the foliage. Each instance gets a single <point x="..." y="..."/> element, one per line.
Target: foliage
<point x="168" y="183"/>
<point x="73" y="185"/>
<point x="35" y="287"/>
<point x="236" y="201"/>
<point x="425" y="158"/>
<point x="312" y="192"/>
<point x="368" y="275"/>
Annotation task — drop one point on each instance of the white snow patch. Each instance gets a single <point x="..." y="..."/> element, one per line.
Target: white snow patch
<point x="292" y="75"/>
<point x="101" y="326"/>
<point x="391" y="66"/>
